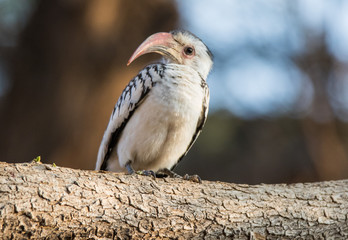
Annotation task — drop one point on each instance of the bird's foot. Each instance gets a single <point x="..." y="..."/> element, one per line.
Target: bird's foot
<point x="192" y="178"/>
<point x="146" y="173"/>
<point x="165" y="172"/>
<point x="131" y="170"/>
<point x="168" y="173"/>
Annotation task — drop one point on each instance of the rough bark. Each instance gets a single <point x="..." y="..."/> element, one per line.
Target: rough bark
<point x="44" y="201"/>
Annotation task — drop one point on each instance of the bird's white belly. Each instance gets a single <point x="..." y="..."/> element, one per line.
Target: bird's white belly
<point x="161" y="128"/>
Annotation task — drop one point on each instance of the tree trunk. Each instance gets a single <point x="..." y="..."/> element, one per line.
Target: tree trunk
<point x="44" y="201"/>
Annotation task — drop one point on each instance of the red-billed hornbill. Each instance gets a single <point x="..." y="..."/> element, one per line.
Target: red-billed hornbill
<point x="162" y="110"/>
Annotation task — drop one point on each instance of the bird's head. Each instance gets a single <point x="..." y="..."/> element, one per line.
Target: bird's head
<point x="180" y="47"/>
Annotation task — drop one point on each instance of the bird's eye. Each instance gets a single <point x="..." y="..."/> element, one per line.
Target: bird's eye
<point x="189" y="51"/>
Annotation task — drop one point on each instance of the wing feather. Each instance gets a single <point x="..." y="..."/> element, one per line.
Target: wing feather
<point x="132" y="96"/>
<point x="201" y="121"/>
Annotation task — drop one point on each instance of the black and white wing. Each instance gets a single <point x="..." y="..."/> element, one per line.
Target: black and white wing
<point x="132" y="96"/>
<point x="201" y="121"/>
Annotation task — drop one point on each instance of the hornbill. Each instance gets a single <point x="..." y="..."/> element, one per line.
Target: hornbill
<point x="162" y="110"/>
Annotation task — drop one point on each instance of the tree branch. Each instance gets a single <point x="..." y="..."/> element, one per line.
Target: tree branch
<point x="43" y="201"/>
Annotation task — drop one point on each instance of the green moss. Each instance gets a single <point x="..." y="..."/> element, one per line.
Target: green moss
<point x="37" y="159"/>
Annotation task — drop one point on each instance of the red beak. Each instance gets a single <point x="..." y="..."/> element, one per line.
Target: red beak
<point x="158" y="42"/>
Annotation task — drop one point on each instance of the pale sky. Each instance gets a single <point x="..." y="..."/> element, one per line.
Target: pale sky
<point x="257" y="84"/>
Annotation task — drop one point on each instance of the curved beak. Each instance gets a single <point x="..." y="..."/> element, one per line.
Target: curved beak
<point x="158" y="43"/>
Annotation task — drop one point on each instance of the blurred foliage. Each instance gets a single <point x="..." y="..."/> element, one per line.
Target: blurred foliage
<point x="62" y="67"/>
<point x="65" y="74"/>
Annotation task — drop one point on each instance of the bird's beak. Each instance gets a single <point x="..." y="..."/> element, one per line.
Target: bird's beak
<point x="159" y="43"/>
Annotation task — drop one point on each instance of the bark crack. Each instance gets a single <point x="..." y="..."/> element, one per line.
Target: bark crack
<point x="40" y="201"/>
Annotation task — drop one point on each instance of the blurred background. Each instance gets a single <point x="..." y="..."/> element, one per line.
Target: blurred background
<point x="279" y="87"/>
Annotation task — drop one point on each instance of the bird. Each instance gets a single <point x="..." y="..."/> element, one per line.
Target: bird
<point x="162" y="110"/>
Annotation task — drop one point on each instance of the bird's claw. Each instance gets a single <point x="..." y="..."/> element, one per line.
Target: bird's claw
<point x="146" y="173"/>
<point x="192" y="178"/>
<point x="169" y="173"/>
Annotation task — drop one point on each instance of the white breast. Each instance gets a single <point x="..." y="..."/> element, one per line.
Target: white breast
<point x="161" y="128"/>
